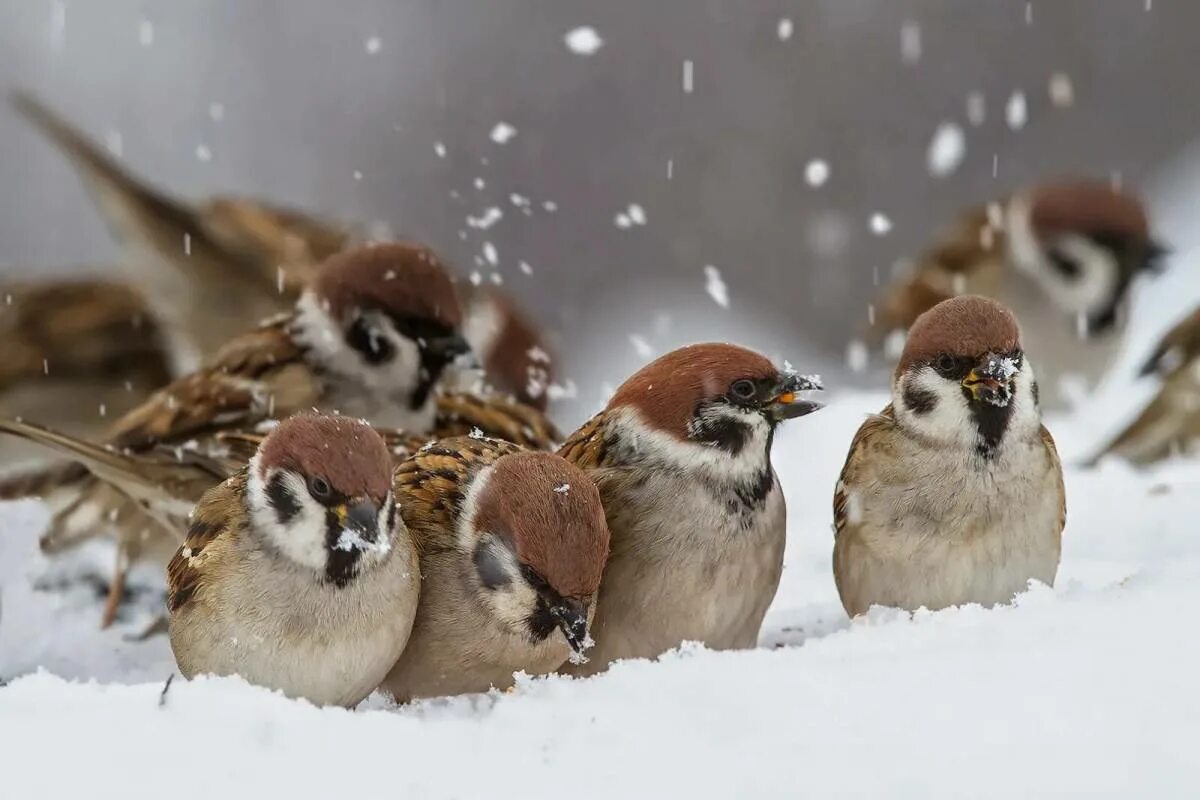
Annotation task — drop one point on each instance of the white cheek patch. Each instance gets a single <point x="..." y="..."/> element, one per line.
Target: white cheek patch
<point x="317" y="330"/>
<point x="948" y="421"/>
<point x="302" y="538"/>
<point x="1087" y="293"/>
<point x="655" y="445"/>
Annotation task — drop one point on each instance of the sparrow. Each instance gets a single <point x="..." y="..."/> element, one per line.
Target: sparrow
<point x="1063" y="255"/>
<point x="1170" y="422"/>
<point x="954" y="492"/>
<point x="206" y="268"/>
<point x="513" y="543"/>
<point x="78" y="353"/>
<point x="681" y="457"/>
<point x="298" y="573"/>
<point x="510" y="345"/>
<point x="370" y="338"/>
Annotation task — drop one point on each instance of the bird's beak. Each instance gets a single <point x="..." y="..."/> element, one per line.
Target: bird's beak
<point x="787" y="404"/>
<point x="572" y="620"/>
<point x="989" y="380"/>
<point x="449" y="348"/>
<point x="361" y="516"/>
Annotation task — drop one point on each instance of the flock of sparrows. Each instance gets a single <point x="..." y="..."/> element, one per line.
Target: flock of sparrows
<point x="340" y="510"/>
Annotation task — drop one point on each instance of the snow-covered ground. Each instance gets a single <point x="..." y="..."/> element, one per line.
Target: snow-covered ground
<point x="1086" y="688"/>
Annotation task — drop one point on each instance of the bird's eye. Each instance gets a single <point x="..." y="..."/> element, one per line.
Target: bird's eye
<point x="743" y="389"/>
<point x="319" y="488"/>
<point x="945" y="364"/>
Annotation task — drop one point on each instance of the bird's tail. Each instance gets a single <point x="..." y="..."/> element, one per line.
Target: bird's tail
<point x="124" y="201"/>
<point x="105" y="464"/>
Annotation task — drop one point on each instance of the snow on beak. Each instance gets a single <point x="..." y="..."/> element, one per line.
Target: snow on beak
<point x="787" y="403"/>
<point x="990" y="380"/>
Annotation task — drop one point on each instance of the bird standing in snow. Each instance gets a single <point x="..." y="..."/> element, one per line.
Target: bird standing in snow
<point x="512" y="547"/>
<point x="681" y="456"/>
<point x="298" y="573"/>
<point x="1170" y="423"/>
<point x="954" y="492"/>
<point x="1062" y="255"/>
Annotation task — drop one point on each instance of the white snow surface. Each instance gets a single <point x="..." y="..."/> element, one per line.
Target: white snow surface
<point x="1088" y="688"/>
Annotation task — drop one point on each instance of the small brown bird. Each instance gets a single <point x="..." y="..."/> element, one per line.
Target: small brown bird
<point x="1062" y="255"/>
<point x="1170" y="424"/>
<point x="954" y="493"/>
<point x="77" y="353"/>
<point x="681" y="456"/>
<point x="207" y="269"/>
<point x="512" y="547"/>
<point x="298" y="573"/>
<point x="510" y="345"/>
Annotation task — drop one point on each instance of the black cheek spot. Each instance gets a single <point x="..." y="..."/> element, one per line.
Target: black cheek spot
<point x="281" y="499"/>
<point x="491" y="571"/>
<point x="391" y="517"/>
<point x="1037" y="398"/>
<point x="375" y="348"/>
<point x="919" y="401"/>
<point x="723" y="432"/>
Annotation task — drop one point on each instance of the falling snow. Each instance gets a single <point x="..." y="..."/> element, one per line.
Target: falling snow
<point x="880" y="224"/>
<point x="145" y="32"/>
<point x="910" y="43"/>
<point x="1062" y="91"/>
<point x="373" y="44"/>
<point x="715" y="286"/>
<point x="583" y="41"/>
<point x="784" y="29"/>
<point x="502" y="133"/>
<point x="816" y="172"/>
<point x="976" y="108"/>
<point x="1016" y="113"/>
<point x="946" y="149"/>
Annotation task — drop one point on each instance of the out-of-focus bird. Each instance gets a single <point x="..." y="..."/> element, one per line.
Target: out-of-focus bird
<point x="1170" y="422"/>
<point x="298" y="573"/>
<point x="208" y="269"/>
<point x="513" y="544"/>
<point x="76" y="354"/>
<point x="1062" y="255"/>
<point x="681" y="456"/>
<point x="510" y="345"/>
<point x="954" y="492"/>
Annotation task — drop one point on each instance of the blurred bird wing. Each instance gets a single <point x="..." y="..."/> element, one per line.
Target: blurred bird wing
<point x="964" y="258"/>
<point x="871" y="436"/>
<point x="218" y="519"/>
<point x="259" y="375"/>
<point x="285" y="245"/>
<point x="1056" y="469"/>
<point x="587" y="448"/>
<point x="460" y="413"/>
<point x="1169" y="424"/>
<point x="80" y="328"/>
<point x="1178" y="348"/>
<point x="431" y="485"/>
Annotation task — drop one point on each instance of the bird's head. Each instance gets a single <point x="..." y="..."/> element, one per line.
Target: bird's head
<point x="963" y="379"/>
<point x="1084" y="242"/>
<point x="535" y="533"/>
<point x="319" y="492"/>
<point x="385" y="317"/>
<point x="710" y="406"/>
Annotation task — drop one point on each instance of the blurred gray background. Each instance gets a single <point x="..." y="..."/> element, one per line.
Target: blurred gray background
<point x="341" y="109"/>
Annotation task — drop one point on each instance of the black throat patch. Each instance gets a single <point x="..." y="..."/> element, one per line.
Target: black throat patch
<point x="991" y="422"/>
<point x="340" y="564"/>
